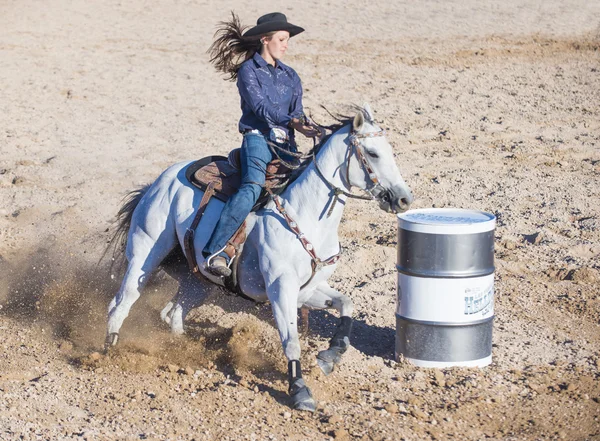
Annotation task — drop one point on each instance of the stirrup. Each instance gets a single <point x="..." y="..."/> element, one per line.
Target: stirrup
<point x="218" y="265"/>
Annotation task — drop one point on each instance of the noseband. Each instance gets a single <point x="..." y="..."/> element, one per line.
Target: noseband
<point x="356" y="147"/>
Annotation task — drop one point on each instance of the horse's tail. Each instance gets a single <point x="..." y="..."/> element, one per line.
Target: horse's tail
<point x="121" y="225"/>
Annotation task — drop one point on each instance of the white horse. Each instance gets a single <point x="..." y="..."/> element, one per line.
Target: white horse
<point x="285" y="258"/>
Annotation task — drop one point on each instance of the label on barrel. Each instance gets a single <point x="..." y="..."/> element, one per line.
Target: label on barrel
<point x="479" y="300"/>
<point x="445" y="300"/>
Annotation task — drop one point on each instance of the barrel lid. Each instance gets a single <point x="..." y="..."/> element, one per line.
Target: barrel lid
<point x="446" y="221"/>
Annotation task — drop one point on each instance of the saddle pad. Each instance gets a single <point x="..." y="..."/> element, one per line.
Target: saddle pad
<point x="226" y="179"/>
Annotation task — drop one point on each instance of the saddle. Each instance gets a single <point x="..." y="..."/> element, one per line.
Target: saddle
<point x="221" y="177"/>
<point x="226" y="176"/>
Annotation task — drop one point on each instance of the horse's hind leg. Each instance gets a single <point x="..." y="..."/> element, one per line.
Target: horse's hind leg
<point x="325" y="297"/>
<point x="144" y="255"/>
<point x="191" y="293"/>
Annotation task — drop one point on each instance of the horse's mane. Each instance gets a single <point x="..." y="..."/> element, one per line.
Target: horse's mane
<point x="341" y="121"/>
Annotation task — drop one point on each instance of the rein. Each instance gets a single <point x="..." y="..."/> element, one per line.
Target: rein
<point x="316" y="263"/>
<point x="354" y="145"/>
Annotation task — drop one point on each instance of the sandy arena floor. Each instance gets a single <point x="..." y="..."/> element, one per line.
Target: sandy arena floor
<point x="489" y="105"/>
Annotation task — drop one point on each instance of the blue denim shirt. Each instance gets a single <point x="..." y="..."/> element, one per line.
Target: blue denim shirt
<point x="270" y="96"/>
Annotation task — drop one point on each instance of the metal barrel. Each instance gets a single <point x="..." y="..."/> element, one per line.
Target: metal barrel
<point x="445" y="309"/>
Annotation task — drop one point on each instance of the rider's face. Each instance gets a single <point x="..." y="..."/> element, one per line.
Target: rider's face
<point x="277" y="44"/>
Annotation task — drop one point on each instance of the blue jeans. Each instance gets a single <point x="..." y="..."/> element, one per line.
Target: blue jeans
<point x="255" y="156"/>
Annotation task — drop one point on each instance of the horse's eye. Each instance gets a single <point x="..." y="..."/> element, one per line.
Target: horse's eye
<point x="372" y="154"/>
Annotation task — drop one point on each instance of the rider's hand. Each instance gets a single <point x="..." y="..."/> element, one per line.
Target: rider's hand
<point x="306" y="130"/>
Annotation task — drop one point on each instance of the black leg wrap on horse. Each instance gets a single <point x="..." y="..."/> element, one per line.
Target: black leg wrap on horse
<point x="341" y="338"/>
<point x="301" y="396"/>
<point x="294" y="372"/>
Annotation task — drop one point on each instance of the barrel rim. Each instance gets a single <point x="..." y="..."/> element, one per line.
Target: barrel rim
<point x="448" y="324"/>
<point x="476" y="226"/>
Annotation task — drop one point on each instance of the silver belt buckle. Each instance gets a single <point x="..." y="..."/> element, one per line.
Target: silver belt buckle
<point x="278" y="135"/>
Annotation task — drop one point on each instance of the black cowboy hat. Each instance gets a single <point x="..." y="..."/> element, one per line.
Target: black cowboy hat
<point x="275" y="21"/>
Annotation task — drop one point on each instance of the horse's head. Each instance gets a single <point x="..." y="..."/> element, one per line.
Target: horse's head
<point x="371" y="164"/>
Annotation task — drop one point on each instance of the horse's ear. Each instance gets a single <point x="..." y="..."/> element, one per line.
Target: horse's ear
<point x="368" y="112"/>
<point x="359" y="121"/>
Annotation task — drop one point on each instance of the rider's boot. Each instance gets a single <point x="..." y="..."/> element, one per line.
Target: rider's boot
<point x="218" y="264"/>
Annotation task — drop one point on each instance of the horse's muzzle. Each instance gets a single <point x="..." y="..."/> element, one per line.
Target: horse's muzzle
<point x="391" y="202"/>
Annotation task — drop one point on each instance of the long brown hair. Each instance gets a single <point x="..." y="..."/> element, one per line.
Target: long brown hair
<point x="230" y="48"/>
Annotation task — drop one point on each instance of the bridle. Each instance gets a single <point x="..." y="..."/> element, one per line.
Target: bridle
<point x="374" y="191"/>
<point x="354" y="146"/>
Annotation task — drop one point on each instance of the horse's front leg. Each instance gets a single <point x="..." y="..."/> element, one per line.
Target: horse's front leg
<point x="283" y="295"/>
<point x="325" y="297"/>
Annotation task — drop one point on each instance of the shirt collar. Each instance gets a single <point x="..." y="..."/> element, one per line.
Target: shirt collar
<point x="258" y="59"/>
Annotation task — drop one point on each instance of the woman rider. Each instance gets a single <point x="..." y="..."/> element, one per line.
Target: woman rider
<point x="271" y="101"/>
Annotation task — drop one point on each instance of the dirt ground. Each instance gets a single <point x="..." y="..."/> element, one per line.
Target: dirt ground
<point x="489" y="105"/>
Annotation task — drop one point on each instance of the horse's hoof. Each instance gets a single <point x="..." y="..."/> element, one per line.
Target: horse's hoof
<point x="302" y="398"/>
<point x="165" y="314"/>
<point x="111" y="341"/>
<point x="177" y="331"/>
<point x="326" y="367"/>
<point x="328" y="359"/>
